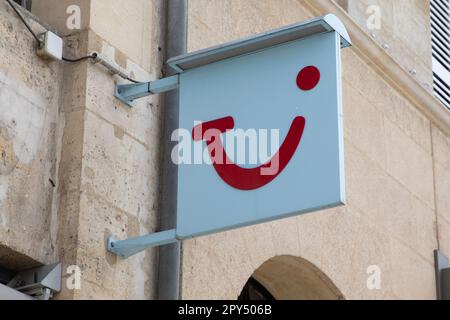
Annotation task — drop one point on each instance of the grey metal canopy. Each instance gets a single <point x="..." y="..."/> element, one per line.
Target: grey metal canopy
<point x="276" y="37"/>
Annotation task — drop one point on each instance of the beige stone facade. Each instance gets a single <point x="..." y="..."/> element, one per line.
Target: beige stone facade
<point x="77" y="165"/>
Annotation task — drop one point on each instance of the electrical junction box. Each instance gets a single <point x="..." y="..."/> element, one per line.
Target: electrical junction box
<point x="51" y="46"/>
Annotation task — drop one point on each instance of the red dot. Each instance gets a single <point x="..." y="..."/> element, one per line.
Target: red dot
<point x="308" y="78"/>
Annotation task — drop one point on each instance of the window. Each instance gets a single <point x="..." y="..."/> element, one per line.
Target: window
<point x="440" y="27"/>
<point x="254" y="290"/>
<point x="24" y="3"/>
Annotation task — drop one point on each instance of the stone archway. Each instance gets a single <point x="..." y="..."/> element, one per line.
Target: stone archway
<point x="290" y="278"/>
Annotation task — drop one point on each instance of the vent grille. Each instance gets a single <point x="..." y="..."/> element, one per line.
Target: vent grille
<point x="440" y="31"/>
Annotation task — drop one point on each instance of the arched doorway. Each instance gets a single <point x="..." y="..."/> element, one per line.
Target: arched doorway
<point x="289" y="278"/>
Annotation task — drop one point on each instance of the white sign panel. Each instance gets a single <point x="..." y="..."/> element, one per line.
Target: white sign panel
<point x="265" y="136"/>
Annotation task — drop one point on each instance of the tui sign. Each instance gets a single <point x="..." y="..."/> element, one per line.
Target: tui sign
<point x="261" y="133"/>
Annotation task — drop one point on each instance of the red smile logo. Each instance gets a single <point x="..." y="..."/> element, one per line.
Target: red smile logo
<point x="255" y="178"/>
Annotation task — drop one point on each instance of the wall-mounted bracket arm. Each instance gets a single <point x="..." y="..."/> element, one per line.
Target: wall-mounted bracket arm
<point x="127" y="93"/>
<point x="127" y="248"/>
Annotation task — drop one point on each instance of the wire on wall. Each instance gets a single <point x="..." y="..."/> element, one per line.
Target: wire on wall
<point x="79" y="59"/>
<point x="39" y="40"/>
<point x="94" y="57"/>
<point x="24" y="21"/>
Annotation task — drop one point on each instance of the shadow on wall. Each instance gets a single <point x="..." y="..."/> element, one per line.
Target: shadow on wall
<point x="289" y="278"/>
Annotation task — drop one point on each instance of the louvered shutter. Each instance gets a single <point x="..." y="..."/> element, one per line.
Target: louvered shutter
<point x="440" y="27"/>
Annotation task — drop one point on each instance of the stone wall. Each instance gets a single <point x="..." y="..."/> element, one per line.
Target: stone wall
<point x="405" y="32"/>
<point x="76" y="165"/>
<point x="30" y="144"/>
<point x="112" y="164"/>
<point x="392" y="213"/>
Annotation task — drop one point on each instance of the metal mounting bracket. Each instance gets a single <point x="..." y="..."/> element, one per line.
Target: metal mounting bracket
<point x="39" y="283"/>
<point x="127" y="248"/>
<point x="442" y="268"/>
<point x="127" y="93"/>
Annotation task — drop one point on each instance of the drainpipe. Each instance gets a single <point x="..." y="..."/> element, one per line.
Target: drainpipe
<point x="169" y="268"/>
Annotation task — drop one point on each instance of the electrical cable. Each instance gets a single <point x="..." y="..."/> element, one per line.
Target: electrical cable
<point x="132" y="80"/>
<point x="79" y="59"/>
<point x="39" y="41"/>
<point x="94" y="57"/>
<point x="24" y="21"/>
